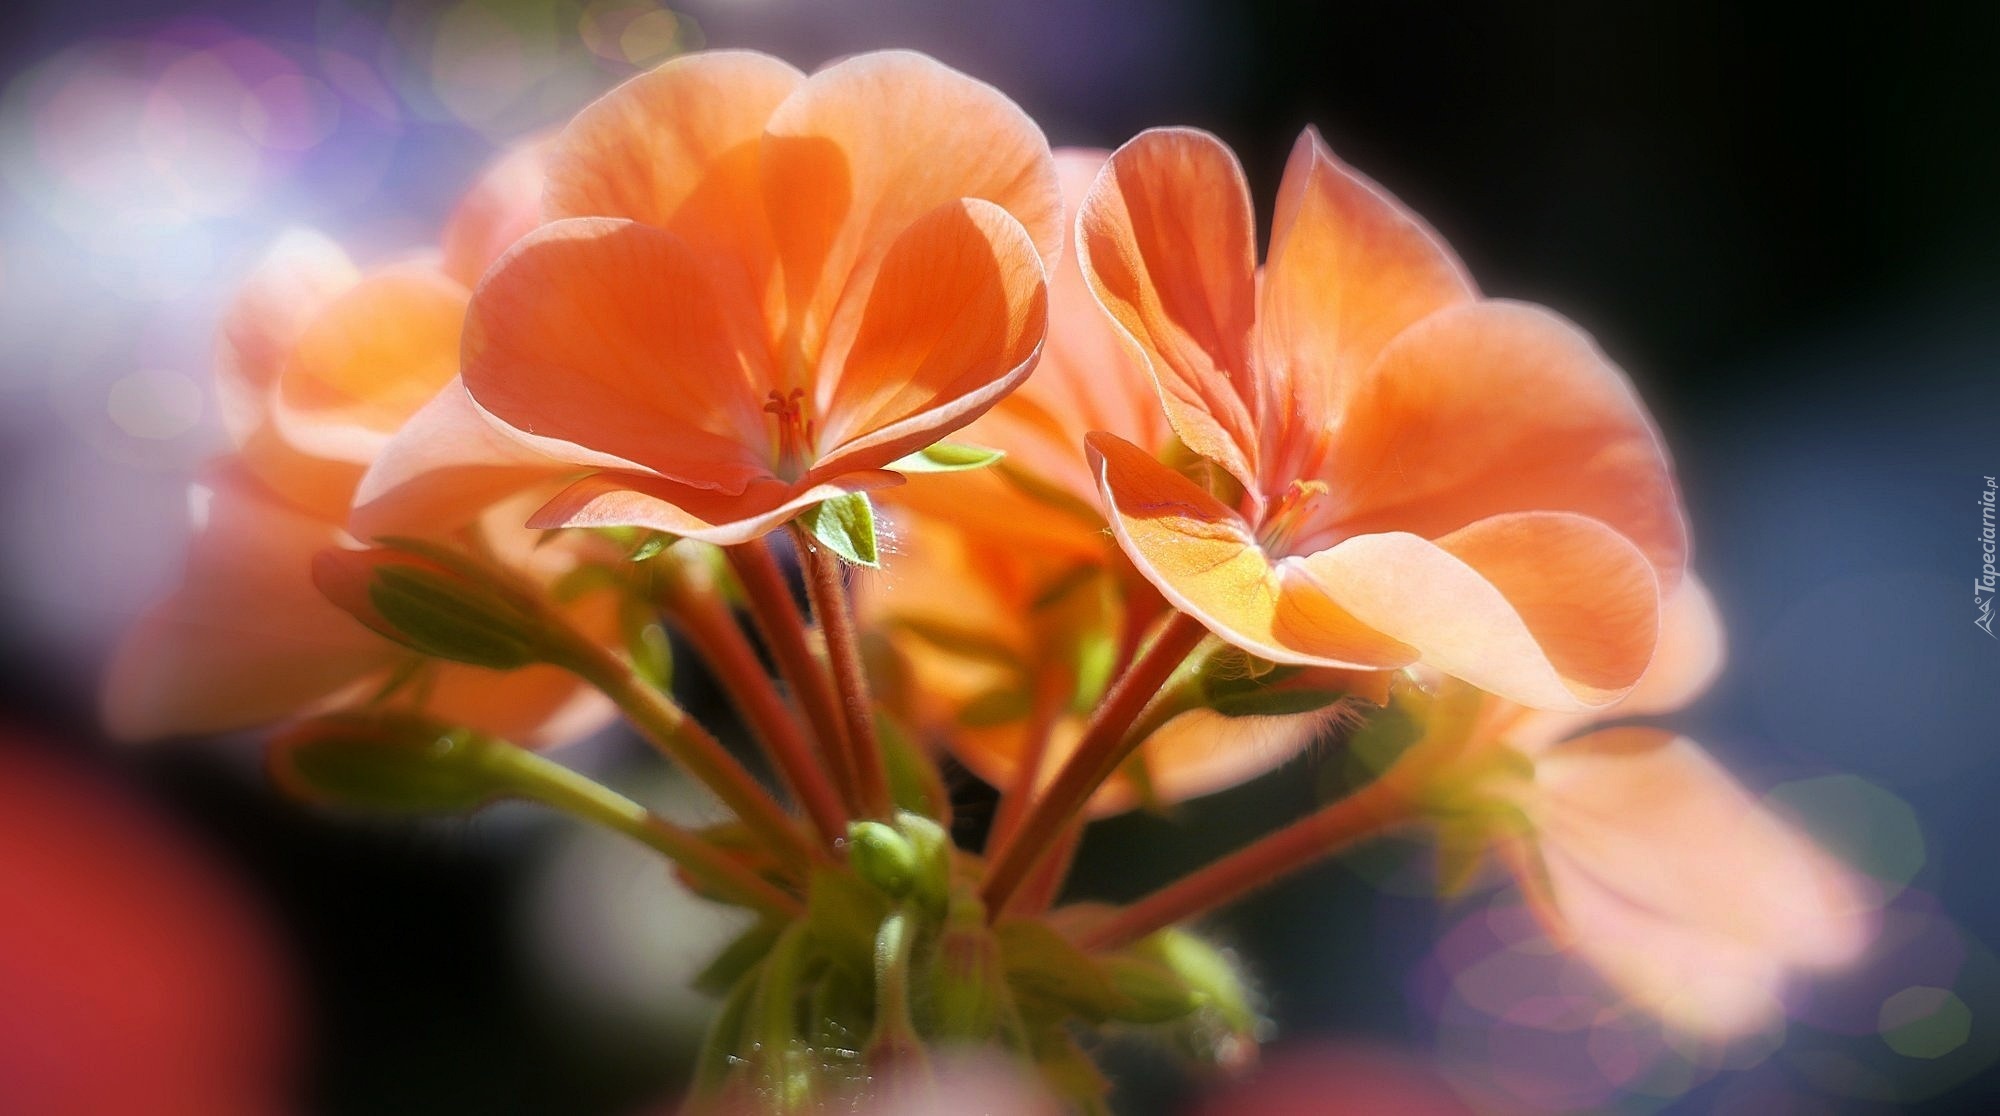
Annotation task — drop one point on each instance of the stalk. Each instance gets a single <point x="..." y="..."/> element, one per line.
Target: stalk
<point x="784" y="630"/>
<point x="827" y="590"/>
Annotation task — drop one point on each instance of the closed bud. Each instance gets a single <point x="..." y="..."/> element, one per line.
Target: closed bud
<point x="1149" y="992"/>
<point x="969" y="998"/>
<point x="392" y="763"/>
<point x="883" y="857"/>
<point x="440" y="611"/>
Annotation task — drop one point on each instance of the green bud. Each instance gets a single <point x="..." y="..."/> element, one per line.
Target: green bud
<point x="1151" y="992"/>
<point x="429" y="607"/>
<point x="933" y="848"/>
<point x="969" y="999"/>
<point x="392" y="763"/>
<point x="1207" y="972"/>
<point x="883" y="857"/>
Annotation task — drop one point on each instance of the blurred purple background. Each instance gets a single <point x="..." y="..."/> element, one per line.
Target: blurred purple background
<point x="1780" y="221"/>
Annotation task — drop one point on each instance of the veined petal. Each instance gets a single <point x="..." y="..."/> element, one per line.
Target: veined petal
<point x="1088" y="378"/>
<point x="678" y="147"/>
<point x="1202" y="557"/>
<point x="869" y="145"/>
<point x="605" y="340"/>
<point x="1349" y="269"/>
<point x="1493" y="407"/>
<point x="1165" y="239"/>
<point x="1548" y="610"/>
<point x="1688" y="658"/>
<point x="1652" y="817"/>
<point x="951" y="323"/>
<point x="444" y="468"/>
<point x="502" y="206"/>
<point x="613" y="499"/>
<point x="247" y="638"/>
<point x="298" y="277"/>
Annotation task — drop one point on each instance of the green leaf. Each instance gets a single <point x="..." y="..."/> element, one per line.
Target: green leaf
<point x="846" y="526"/>
<point x="946" y="457"/>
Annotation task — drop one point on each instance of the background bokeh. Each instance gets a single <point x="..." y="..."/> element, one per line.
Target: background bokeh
<point x="1781" y="220"/>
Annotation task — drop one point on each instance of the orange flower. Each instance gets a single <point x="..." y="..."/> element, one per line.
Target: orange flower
<point x="1013" y="586"/>
<point x="756" y="291"/>
<point x="1424" y="475"/>
<point x="319" y="365"/>
<point x="1638" y="851"/>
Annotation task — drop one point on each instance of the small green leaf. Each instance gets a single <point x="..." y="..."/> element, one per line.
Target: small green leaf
<point x="652" y="544"/>
<point x="946" y="457"/>
<point x="846" y="526"/>
<point x="738" y="958"/>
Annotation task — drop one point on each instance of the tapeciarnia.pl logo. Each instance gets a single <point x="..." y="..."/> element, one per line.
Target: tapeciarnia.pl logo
<point x="1988" y="580"/>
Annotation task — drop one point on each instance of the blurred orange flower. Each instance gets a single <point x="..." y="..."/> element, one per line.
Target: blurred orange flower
<point x="756" y="291"/>
<point x="1637" y="850"/>
<point x="319" y="365"/>
<point x="1424" y="475"/>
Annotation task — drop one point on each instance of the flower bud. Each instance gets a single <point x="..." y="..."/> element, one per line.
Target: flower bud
<point x="969" y="998"/>
<point x="440" y="611"/>
<point x="392" y="763"/>
<point x="883" y="857"/>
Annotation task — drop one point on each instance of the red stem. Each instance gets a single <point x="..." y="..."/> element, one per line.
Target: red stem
<point x="1104" y="746"/>
<point x="1051" y="691"/>
<point x="1381" y="805"/>
<point x="827" y="591"/>
<point x="706" y="622"/>
<point x="778" y="621"/>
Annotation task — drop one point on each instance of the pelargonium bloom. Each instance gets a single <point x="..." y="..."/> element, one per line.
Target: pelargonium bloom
<point x="1425" y="475"/>
<point x="319" y="365"/>
<point x="1638" y="851"/>
<point x="754" y="291"/>
<point x="1011" y="582"/>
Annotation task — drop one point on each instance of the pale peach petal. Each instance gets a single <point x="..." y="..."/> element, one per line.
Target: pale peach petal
<point x="1202" y="557"/>
<point x="872" y="143"/>
<point x="1695" y="980"/>
<point x="605" y="341"/>
<point x="1653" y="818"/>
<point x="1496" y="407"/>
<point x="988" y="504"/>
<point x="247" y="638"/>
<point x="300" y="275"/>
<point x="1088" y="378"/>
<point x="1165" y="240"/>
<point x="678" y="148"/>
<point x="1687" y="660"/>
<point x="637" y="500"/>
<point x="535" y="707"/>
<point x="1548" y="610"/>
<point x="501" y="208"/>
<point x="363" y="366"/>
<point x="1349" y="269"/>
<point x="444" y="468"/>
<point x="951" y="323"/>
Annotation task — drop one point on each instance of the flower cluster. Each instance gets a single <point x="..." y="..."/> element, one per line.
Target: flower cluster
<point x="1129" y="518"/>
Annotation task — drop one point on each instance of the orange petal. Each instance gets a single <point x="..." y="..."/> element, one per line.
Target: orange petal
<point x="1349" y="269"/>
<point x="1543" y="609"/>
<point x="1651" y="818"/>
<point x="951" y="323"/>
<point x="1495" y="407"/>
<point x="1202" y="557"/>
<point x="1165" y="240"/>
<point x="247" y="638"/>
<point x="502" y="206"/>
<point x="1087" y="379"/>
<point x="678" y="147"/>
<point x="535" y="707"/>
<point x="605" y="341"/>
<point x="869" y="145"/>
<point x="363" y="366"/>
<point x="300" y="275"/>
<point x="614" y="499"/>
<point x="444" y="468"/>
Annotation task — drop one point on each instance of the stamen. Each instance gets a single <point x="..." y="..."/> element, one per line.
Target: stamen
<point x="1293" y="513"/>
<point x="795" y="431"/>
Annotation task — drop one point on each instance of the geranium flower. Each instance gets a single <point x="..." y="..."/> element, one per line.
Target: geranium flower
<point x="1638" y="851"/>
<point x="1012" y="583"/>
<point x="319" y="365"/>
<point x="755" y="291"/>
<point x="1424" y="475"/>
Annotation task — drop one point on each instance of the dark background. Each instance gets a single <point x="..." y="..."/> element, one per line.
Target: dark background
<point x="1780" y="220"/>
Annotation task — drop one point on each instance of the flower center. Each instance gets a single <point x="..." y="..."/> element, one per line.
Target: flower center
<point x="795" y="431"/>
<point x="1292" y="515"/>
